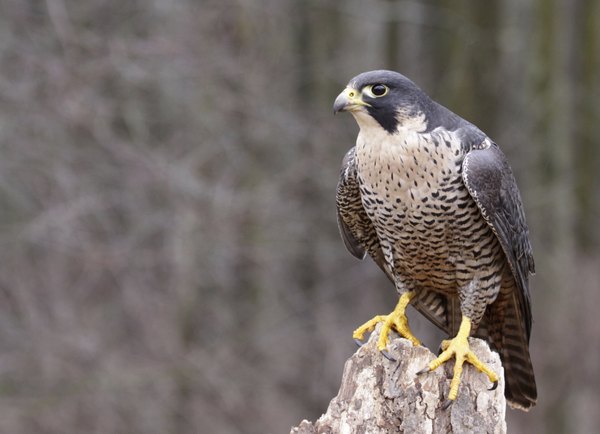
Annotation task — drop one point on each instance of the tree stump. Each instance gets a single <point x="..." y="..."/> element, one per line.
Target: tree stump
<point x="382" y="396"/>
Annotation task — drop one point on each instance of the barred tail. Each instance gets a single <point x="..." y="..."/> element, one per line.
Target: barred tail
<point x="508" y="334"/>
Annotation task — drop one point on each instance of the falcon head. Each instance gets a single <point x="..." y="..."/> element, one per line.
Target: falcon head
<point x="388" y="100"/>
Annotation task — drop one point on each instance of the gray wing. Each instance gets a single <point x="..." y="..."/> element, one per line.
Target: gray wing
<point x="360" y="238"/>
<point x="355" y="227"/>
<point x="492" y="185"/>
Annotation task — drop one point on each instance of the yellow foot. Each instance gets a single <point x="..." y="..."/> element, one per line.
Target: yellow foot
<point x="459" y="348"/>
<point x="396" y="320"/>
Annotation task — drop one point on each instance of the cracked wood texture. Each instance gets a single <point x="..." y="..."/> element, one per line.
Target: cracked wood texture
<point x="381" y="396"/>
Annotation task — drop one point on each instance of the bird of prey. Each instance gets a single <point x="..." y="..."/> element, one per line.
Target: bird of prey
<point x="434" y="202"/>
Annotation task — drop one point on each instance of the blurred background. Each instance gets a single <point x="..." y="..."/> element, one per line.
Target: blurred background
<point x="169" y="259"/>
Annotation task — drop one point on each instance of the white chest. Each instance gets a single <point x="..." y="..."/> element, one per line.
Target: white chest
<point x="412" y="190"/>
<point x="406" y="171"/>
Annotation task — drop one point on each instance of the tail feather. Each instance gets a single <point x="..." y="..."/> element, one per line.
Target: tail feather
<point x="508" y="335"/>
<point x="521" y="390"/>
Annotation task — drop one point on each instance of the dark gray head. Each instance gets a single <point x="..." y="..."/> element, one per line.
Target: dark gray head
<point x="393" y="101"/>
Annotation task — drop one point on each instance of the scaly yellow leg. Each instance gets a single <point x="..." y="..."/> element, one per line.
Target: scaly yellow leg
<point x="396" y="320"/>
<point x="459" y="348"/>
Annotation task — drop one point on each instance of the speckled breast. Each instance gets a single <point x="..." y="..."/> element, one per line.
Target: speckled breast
<point x="430" y="229"/>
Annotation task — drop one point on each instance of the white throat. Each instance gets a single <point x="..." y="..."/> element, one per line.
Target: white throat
<point x="406" y="123"/>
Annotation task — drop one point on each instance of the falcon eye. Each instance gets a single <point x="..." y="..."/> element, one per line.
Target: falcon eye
<point x="379" y="89"/>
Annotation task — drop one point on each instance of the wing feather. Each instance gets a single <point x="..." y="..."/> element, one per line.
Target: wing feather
<point x="492" y="185"/>
<point x="356" y="229"/>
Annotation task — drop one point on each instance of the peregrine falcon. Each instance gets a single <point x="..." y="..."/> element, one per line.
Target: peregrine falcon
<point x="434" y="202"/>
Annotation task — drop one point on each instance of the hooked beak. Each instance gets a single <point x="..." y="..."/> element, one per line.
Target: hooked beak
<point x="349" y="100"/>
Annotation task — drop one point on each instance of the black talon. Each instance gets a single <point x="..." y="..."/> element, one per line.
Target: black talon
<point x="494" y="385"/>
<point x="423" y="371"/>
<point x="358" y="342"/>
<point x="447" y="404"/>
<point x="388" y="356"/>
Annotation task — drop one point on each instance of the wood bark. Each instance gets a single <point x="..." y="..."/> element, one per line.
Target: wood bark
<point x="378" y="395"/>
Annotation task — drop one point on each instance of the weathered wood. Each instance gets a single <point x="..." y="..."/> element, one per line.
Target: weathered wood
<point x="381" y="396"/>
